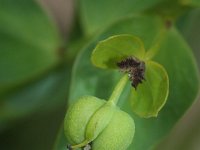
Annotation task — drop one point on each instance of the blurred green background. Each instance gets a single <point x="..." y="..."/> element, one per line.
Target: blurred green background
<point x="39" y="41"/>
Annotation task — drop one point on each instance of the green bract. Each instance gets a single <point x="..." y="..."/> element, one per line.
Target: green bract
<point x="115" y="48"/>
<point x="93" y="120"/>
<point x="152" y="94"/>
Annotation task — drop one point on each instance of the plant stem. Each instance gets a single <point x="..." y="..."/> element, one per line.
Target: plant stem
<point x="118" y="90"/>
<point x="154" y="49"/>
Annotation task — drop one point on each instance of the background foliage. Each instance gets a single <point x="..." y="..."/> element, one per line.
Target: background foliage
<point x="39" y="73"/>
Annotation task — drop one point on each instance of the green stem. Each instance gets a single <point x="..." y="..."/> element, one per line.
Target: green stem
<point x="154" y="49"/>
<point x="118" y="90"/>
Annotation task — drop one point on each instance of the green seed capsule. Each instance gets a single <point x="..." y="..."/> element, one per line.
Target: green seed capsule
<point x="99" y="120"/>
<point x="78" y="116"/>
<point x="118" y="135"/>
<point x="94" y="120"/>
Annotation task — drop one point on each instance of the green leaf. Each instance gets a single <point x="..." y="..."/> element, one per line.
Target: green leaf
<point x="29" y="43"/>
<point x="189" y="27"/>
<point x="151" y="95"/>
<point x="42" y="95"/>
<point x="96" y="15"/>
<point x="184" y="134"/>
<point x="60" y="143"/>
<point x="114" y="49"/>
